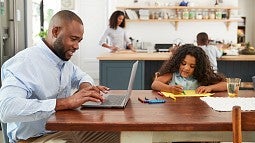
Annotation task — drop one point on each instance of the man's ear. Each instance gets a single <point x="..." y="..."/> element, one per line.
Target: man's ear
<point x="55" y="31"/>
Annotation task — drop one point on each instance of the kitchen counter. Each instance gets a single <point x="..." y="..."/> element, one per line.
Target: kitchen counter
<point x="134" y="56"/>
<point x="128" y="55"/>
<point x="115" y="68"/>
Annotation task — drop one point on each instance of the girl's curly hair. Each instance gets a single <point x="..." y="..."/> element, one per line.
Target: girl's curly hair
<point x="203" y="71"/>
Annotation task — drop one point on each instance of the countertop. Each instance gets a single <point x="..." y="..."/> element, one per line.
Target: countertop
<point x="128" y="55"/>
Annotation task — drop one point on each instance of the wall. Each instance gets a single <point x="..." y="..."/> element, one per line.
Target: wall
<point x="94" y="15"/>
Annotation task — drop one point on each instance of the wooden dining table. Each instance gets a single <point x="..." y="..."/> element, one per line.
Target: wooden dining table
<point x="183" y="119"/>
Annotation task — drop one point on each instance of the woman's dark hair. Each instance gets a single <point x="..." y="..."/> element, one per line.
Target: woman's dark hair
<point x="203" y="71"/>
<point x="114" y="19"/>
<point x="202" y="38"/>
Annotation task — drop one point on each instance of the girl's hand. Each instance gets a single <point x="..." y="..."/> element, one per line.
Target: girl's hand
<point x="203" y="89"/>
<point x="176" y="89"/>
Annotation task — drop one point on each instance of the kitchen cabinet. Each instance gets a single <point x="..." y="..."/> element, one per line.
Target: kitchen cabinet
<point x="114" y="69"/>
<point x="116" y="74"/>
<point x="176" y="14"/>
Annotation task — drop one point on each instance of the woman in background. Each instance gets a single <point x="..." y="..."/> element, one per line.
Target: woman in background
<point x="188" y="69"/>
<point x="116" y="34"/>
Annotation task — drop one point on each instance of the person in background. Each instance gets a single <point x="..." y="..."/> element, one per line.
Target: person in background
<point x="38" y="81"/>
<point x="212" y="51"/>
<point x="116" y="34"/>
<point x="188" y="69"/>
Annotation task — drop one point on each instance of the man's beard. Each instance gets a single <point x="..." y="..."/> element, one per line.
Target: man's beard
<point x="58" y="49"/>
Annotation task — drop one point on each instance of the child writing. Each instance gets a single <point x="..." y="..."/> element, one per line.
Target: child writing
<point x="188" y="69"/>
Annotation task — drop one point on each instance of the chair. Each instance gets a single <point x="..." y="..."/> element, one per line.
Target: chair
<point x="4" y="132"/>
<point x="241" y="121"/>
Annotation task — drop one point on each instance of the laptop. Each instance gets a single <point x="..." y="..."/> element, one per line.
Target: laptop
<point x="115" y="101"/>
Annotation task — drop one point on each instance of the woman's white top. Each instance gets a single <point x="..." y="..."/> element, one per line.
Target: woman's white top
<point x="117" y="37"/>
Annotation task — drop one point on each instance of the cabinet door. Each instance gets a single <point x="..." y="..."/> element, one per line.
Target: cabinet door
<point x="116" y="74"/>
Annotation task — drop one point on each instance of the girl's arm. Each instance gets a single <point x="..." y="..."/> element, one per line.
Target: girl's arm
<point x="161" y="84"/>
<point x="221" y="86"/>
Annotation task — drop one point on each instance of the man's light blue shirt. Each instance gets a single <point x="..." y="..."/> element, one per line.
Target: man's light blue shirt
<point x="32" y="80"/>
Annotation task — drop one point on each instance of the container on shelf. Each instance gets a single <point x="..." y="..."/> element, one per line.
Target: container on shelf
<point x="212" y="14"/>
<point x="199" y="14"/>
<point x="205" y="14"/>
<point x="192" y="14"/>
<point x="185" y="14"/>
<point x="179" y="15"/>
<point x="224" y="14"/>
<point x="218" y="14"/>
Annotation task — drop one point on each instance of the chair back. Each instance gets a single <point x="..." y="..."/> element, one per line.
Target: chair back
<point x="241" y="121"/>
<point x="4" y="132"/>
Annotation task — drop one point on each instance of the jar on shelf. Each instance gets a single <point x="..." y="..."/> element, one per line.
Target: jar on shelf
<point x="199" y="14"/>
<point x="224" y="15"/>
<point x="205" y="14"/>
<point x="192" y="14"/>
<point x="179" y="15"/>
<point x="212" y="14"/>
<point x="185" y="14"/>
<point x="218" y="14"/>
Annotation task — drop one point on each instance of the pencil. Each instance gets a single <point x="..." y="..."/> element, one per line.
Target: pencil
<point x="182" y="90"/>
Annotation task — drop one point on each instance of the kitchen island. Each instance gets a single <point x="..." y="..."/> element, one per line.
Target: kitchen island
<point x="115" y="68"/>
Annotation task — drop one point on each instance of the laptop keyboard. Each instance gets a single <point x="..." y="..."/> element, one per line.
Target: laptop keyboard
<point x="113" y="100"/>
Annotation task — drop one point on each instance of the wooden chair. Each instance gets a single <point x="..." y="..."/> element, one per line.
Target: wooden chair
<point x="241" y="121"/>
<point x="4" y="132"/>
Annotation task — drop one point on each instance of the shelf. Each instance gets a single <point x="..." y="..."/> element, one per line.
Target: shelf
<point x="176" y="9"/>
<point x="176" y="21"/>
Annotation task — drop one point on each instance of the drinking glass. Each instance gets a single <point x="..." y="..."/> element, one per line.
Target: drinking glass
<point x="233" y="85"/>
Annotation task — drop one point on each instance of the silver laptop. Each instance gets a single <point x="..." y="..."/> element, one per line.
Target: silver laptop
<point x="116" y="101"/>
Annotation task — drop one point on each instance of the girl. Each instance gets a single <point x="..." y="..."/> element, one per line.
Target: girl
<point x="116" y="33"/>
<point x="188" y="69"/>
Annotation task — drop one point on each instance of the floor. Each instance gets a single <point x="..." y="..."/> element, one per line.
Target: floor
<point x="1" y="137"/>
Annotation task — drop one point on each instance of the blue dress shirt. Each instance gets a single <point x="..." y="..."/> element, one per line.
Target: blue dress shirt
<point x="32" y="80"/>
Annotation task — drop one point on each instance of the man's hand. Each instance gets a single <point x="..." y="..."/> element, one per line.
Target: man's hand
<point x="89" y="93"/>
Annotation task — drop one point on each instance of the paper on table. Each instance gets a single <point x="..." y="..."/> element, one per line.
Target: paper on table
<point x="227" y="103"/>
<point x="188" y="93"/>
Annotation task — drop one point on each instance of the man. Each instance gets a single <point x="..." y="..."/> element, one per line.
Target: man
<point x="37" y="82"/>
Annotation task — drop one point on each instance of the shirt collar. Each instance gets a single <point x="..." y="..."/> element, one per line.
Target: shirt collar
<point x="52" y="56"/>
<point x="188" y="78"/>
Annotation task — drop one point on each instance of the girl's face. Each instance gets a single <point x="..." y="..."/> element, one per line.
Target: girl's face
<point x="120" y="20"/>
<point x="187" y="66"/>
